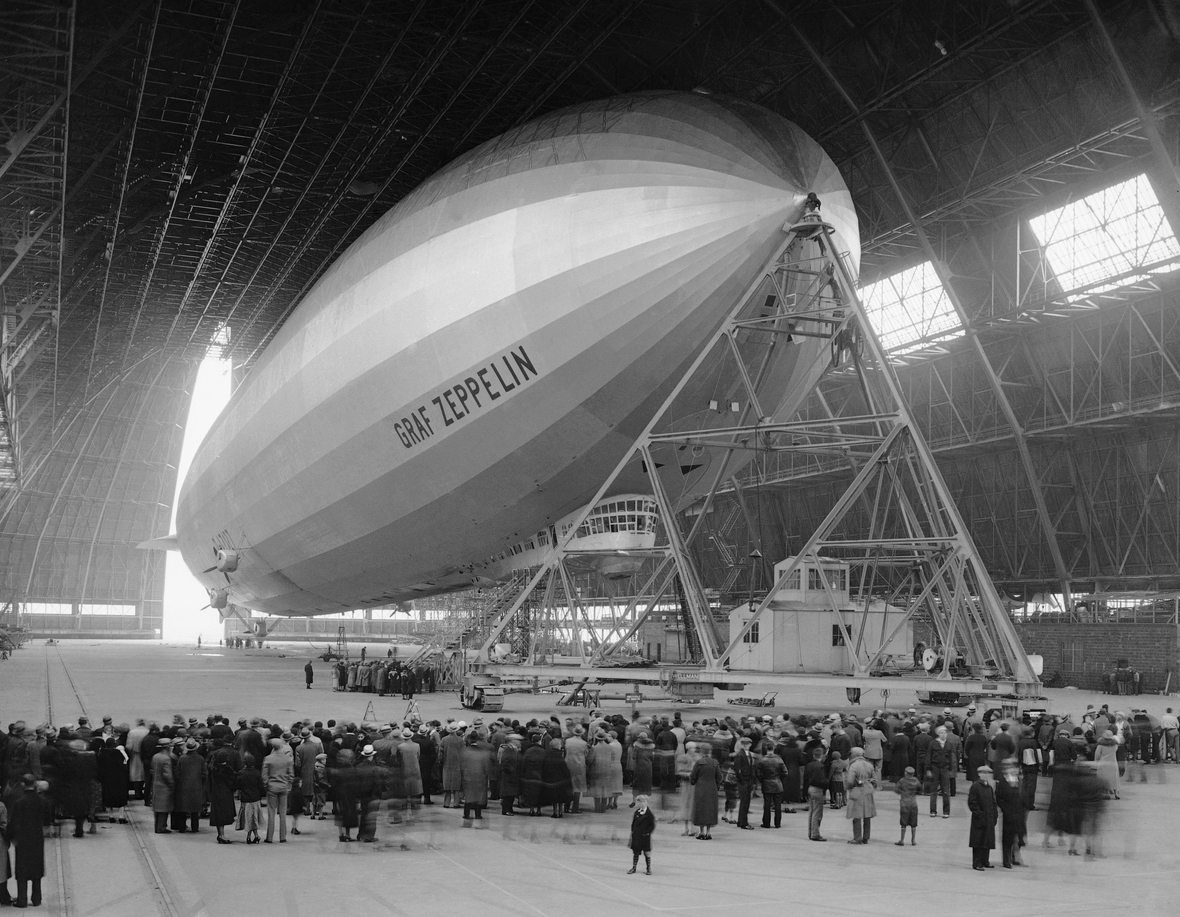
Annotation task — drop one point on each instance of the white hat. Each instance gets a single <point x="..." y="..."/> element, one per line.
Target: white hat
<point x="368" y="751"/>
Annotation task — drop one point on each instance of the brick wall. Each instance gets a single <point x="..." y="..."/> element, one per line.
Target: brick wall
<point x="1082" y="652"/>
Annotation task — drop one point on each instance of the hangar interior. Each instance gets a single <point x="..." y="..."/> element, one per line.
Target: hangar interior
<point x="176" y="175"/>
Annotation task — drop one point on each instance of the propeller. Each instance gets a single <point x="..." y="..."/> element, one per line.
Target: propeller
<point x="218" y="598"/>
<point x="227" y="562"/>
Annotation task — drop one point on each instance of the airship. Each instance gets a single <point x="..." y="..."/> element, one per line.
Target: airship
<point x="469" y="371"/>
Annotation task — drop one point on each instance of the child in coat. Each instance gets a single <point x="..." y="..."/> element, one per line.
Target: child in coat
<point x="907" y="787"/>
<point x="836" y="770"/>
<point x="643" y="823"/>
<point x="251" y="790"/>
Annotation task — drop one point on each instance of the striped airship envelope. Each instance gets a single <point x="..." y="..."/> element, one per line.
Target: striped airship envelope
<point x="476" y="363"/>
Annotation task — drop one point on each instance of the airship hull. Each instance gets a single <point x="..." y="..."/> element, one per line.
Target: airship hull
<point x="470" y="369"/>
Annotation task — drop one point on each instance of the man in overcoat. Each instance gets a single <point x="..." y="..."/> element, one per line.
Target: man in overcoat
<point x="25" y="823"/>
<point x="981" y="800"/>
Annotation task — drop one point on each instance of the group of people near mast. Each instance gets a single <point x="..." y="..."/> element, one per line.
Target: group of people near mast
<point x="262" y="778"/>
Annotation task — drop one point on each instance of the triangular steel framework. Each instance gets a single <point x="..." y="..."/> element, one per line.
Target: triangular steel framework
<point x="906" y="542"/>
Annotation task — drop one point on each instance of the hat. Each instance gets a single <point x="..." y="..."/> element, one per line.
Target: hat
<point x="407" y="733"/>
<point x="515" y="737"/>
<point x="909" y="772"/>
<point x="368" y="751"/>
<point x="462" y="724"/>
<point x="191" y="745"/>
<point x="242" y="721"/>
<point x="970" y="706"/>
<point x="983" y="769"/>
<point x="946" y="711"/>
<point x="834" y="718"/>
<point x="578" y="730"/>
<point x="766" y="718"/>
<point x="423" y="730"/>
<point x="745" y="740"/>
<point x="107" y="719"/>
<point x="478" y="721"/>
<point x="857" y="752"/>
<point x="385" y="727"/>
<point x="177" y="743"/>
<point x="452" y="727"/>
<point x="305" y="733"/>
<point x="288" y="736"/>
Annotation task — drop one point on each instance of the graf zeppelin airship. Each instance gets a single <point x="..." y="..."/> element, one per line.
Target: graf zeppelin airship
<point x="470" y="370"/>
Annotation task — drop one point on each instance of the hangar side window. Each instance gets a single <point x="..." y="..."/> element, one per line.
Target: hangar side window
<point x="47" y="608"/>
<point x="752" y="636"/>
<point x="106" y="609"/>
<point x="1071" y="656"/>
<point x="1110" y="239"/>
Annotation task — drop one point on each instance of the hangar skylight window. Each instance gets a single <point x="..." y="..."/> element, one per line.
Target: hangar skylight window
<point x="1107" y="240"/>
<point x="910" y="309"/>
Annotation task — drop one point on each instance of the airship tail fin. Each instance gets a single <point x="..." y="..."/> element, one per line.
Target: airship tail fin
<point x="167" y="543"/>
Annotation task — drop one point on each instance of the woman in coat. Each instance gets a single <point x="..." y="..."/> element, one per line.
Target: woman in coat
<point x="975" y="751"/>
<point x="555" y="777"/>
<point x="643" y="751"/>
<point x="451" y="753"/>
<point x="475" y="767"/>
<point x="345" y="803"/>
<point x="114" y="775"/>
<point x="532" y="774"/>
<point x="408" y="760"/>
<point x="223" y="766"/>
<point x="510" y="771"/>
<point x="643" y="823"/>
<point x="163" y="780"/>
<point x="981" y="800"/>
<point x="613" y="783"/>
<point x="190" y="788"/>
<point x="1106" y="757"/>
<point x="576" y="751"/>
<point x="705" y="780"/>
<point x="597" y="768"/>
<point x="860" y="783"/>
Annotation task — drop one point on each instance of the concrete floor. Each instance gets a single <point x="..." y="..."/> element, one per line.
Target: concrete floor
<point x="572" y="867"/>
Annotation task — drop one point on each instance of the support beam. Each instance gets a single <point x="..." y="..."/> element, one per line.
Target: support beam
<point x="943" y="272"/>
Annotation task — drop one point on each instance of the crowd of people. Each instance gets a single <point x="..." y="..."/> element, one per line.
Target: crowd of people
<point x="381" y="677"/>
<point x="703" y="773"/>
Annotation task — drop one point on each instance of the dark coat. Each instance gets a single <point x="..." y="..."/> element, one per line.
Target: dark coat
<point x="772" y="773"/>
<point x="555" y="775"/>
<point x="510" y="764"/>
<point x="793" y="761"/>
<point x="113" y="774"/>
<point x="899" y="755"/>
<point x="224" y="765"/>
<point x="975" y="754"/>
<point x="1010" y="802"/>
<point x="642" y="825"/>
<point x="706" y="781"/>
<point x="641" y="778"/>
<point x="190" y="783"/>
<point x="475" y="765"/>
<point x="981" y="800"/>
<point x="532" y="776"/>
<point x="25" y="822"/>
